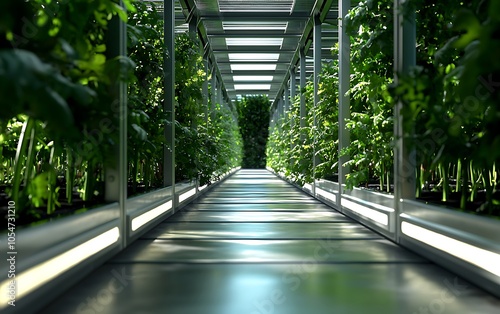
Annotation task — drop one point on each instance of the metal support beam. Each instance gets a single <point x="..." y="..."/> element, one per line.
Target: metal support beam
<point x="303" y="112"/>
<point x="344" y="99"/>
<point x="116" y="174"/>
<point x="213" y="89"/>
<point x="317" y="72"/>
<point x="293" y="84"/>
<point x="205" y="89"/>
<point x="287" y="99"/>
<point x="404" y="60"/>
<point x="169" y="104"/>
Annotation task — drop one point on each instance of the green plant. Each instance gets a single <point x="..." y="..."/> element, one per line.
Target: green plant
<point x="253" y="118"/>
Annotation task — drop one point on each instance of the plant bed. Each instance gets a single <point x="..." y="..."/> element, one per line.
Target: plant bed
<point x="34" y="216"/>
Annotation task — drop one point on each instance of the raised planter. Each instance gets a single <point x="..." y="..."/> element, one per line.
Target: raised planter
<point x="50" y="258"/>
<point x="463" y="243"/>
<point x="373" y="209"/>
<point x="466" y="244"/>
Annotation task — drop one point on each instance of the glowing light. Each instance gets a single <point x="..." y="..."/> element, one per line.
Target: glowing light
<point x="485" y="259"/>
<point x="366" y="211"/>
<point x="34" y="277"/>
<point x="184" y="196"/>
<point x="146" y="217"/>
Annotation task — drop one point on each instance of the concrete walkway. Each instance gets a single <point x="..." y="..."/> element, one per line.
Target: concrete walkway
<point x="255" y="244"/>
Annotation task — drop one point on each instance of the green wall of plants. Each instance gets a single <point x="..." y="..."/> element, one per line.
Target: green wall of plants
<point x="450" y="107"/>
<point x="253" y="112"/>
<point x="59" y="126"/>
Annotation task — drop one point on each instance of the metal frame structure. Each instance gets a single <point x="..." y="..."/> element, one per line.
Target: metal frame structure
<point x="439" y="234"/>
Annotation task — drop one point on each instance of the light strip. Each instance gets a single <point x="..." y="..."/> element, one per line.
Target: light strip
<point x="252" y="86"/>
<point x="254" y="42"/>
<point x="485" y="259"/>
<point x="201" y="188"/>
<point x="146" y="217"/>
<point x="186" y="195"/>
<point x="253" y="78"/>
<point x="308" y="187"/>
<point x="366" y="211"/>
<point x="253" y="67"/>
<point x="328" y="195"/>
<point x="253" y="57"/>
<point x="254" y="26"/>
<point x="36" y="276"/>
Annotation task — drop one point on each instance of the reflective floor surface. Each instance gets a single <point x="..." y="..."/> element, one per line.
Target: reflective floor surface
<point x="256" y="245"/>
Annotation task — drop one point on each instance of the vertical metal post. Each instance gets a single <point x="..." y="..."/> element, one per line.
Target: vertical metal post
<point x="169" y="105"/>
<point x="214" y="84"/>
<point x="344" y="99"/>
<point x="303" y="112"/>
<point x="287" y="98"/>
<point x="293" y="86"/>
<point x="404" y="158"/>
<point x="205" y="89"/>
<point x="219" y="94"/>
<point x="116" y="178"/>
<point x="317" y="72"/>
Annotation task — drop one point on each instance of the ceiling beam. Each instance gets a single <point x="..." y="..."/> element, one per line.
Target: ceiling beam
<point x="253" y="34"/>
<point x="254" y="49"/>
<point x="254" y="16"/>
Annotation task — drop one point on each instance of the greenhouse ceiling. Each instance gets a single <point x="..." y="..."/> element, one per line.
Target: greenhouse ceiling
<point x="254" y="44"/>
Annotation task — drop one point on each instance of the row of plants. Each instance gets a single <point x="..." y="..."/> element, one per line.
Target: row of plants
<point x="448" y="124"/>
<point x="253" y="117"/>
<point x="292" y="146"/>
<point x="59" y="128"/>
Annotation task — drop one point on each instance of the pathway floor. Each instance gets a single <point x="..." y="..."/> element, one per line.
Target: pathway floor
<point x="257" y="245"/>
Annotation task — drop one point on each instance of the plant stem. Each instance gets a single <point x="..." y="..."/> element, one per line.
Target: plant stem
<point x="70" y="175"/>
<point x="18" y="161"/>
<point x="88" y="190"/>
<point x="465" y="185"/>
<point x="459" y="174"/>
<point x="51" y="206"/>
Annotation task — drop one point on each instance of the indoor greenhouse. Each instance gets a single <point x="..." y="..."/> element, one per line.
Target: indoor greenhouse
<point x="250" y="156"/>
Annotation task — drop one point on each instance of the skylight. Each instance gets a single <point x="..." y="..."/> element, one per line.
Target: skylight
<point x="254" y="42"/>
<point x="253" y="67"/>
<point x="253" y="56"/>
<point x="256" y="5"/>
<point x="252" y="86"/>
<point x="254" y="26"/>
<point x="253" y="78"/>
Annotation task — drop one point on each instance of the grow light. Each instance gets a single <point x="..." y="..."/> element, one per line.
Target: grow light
<point x="253" y="56"/>
<point x="254" y="41"/>
<point x="146" y="217"/>
<point x="366" y="211"/>
<point x="256" y="5"/>
<point x="253" y="67"/>
<point x="186" y="195"/>
<point x="252" y="86"/>
<point x="485" y="259"/>
<point x="328" y="195"/>
<point x="254" y="26"/>
<point x="34" y="277"/>
<point x="253" y="78"/>
<point x="308" y="187"/>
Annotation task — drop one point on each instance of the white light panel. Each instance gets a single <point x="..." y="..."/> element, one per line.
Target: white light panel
<point x="253" y="67"/>
<point x="252" y="86"/>
<point x="253" y="57"/>
<point x="38" y="275"/>
<point x="254" y="42"/>
<point x="485" y="259"/>
<point x="143" y="219"/>
<point x="253" y="78"/>
<point x="254" y="26"/>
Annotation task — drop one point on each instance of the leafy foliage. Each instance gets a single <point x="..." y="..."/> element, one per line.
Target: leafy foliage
<point x="253" y="112"/>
